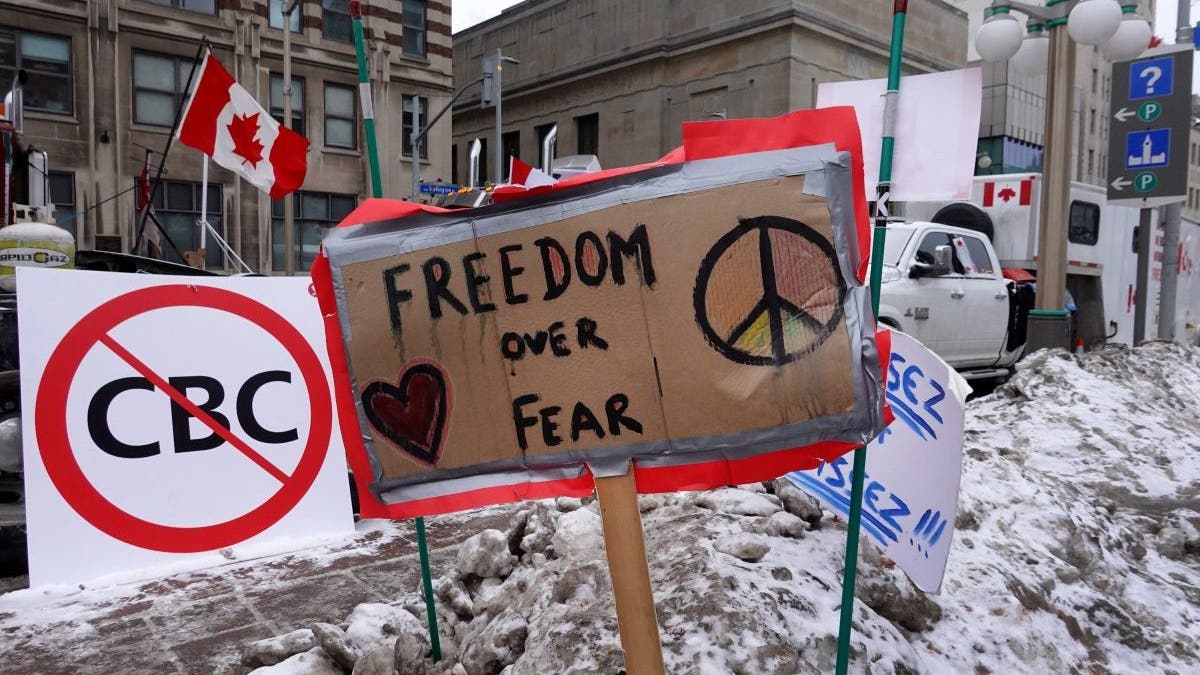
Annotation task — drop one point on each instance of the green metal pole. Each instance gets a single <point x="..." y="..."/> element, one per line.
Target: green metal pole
<point x="364" y="89"/>
<point x="364" y="92"/>
<point x="883" y="195"/>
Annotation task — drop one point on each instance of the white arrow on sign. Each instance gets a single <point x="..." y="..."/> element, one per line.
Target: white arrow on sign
<point x="1124" y="115"/>
<point x="1119" y="183"/>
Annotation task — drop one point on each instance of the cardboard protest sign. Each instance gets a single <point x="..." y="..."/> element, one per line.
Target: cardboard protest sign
<point x="681" y="315"/>
<point x="168" y="418"/>
<point x="910" y="493"/>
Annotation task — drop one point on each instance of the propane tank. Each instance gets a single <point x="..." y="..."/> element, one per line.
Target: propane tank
<point x="33" y="245"/>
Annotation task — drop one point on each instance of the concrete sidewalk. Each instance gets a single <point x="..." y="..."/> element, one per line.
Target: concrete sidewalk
<point x="199" y="622"/>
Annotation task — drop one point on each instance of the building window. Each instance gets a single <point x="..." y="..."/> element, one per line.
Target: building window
<point x="413" y="33"/>
<point x="1092" y="123"/>
<point x="205" y="6"/>
<point x="543" y="131"/>
<point x="587" y="133"/>
<point x="47" y="60"/>
<point x="1095" y="80"/>
<point x="275" y="14"/>
<point x="177" y="206"/>
<point x="159" y="87"/>
<point x="62" y="196"/>
<point x="1084" y="223"/>
<point x="454" y="164"/>
<point x="335" y="20"/>
<point x="407" y="121"/>
<point x="512" y="148"/>
<point x="297" y="101"/>
<point x="315" y="213"/>
<point x="340" y="129"/>
<point x="1091" y="164"/>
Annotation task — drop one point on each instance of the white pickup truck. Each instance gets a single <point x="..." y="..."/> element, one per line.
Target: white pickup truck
<point x="943" y="285"/>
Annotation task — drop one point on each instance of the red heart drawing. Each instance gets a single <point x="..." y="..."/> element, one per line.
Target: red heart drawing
<point x="413" y="414"/>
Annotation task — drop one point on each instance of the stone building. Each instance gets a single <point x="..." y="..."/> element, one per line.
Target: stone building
<point x="619" y="77"/>
<point x="106" y="77"/>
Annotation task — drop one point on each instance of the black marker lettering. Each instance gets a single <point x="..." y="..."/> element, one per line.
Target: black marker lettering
<point x="508" y="272"/>
<point x="637" y="247"/>
<point x="587" y="334"/>
<point x="520" y="421"/>
<point x="395" y="296"/>
<point x="558" y="340"/>
<point x="475" y="281"/>
<point x="437" y="286"/>
<point x="512" y="347"/>
<point x="550" y="438"/>
<point x="581" y="248"/>
<point x="551" y="249"/>
<point x="581" y="419"/>
<point x="615" y="407"/>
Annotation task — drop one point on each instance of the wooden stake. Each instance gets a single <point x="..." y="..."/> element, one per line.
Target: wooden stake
<point x="626" y="549"/>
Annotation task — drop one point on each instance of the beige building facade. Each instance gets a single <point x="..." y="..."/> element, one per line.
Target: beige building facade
<point x="620" y="77"/>
<point x="106" y="77"/>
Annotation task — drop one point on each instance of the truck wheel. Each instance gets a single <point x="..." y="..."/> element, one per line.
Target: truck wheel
<point x="967" y="216"/>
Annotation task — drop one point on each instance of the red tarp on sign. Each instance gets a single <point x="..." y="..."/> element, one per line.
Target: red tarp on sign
<point x="702" y="140"/>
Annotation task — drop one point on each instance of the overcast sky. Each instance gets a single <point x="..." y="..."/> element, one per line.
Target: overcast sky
<point x="467" y="13"/>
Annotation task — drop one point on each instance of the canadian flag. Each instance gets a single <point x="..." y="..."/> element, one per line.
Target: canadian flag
<point x="1010" y="193"/>
<point x="222" y="120"/>
<point x="521" y="173"/>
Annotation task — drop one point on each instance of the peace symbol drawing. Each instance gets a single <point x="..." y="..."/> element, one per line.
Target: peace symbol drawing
<point x="769" y="292"/>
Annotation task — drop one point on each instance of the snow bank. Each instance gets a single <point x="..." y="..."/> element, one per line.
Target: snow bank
<point x="1078" y="550"/>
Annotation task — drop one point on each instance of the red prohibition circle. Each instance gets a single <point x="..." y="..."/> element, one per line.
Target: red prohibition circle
<point x="68" y="477"/>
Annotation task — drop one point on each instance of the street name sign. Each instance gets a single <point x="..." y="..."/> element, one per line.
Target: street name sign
<point x="1151" y="108"/>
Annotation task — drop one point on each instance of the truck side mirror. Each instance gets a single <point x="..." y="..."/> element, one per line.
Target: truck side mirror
<point x="939" y="267"/>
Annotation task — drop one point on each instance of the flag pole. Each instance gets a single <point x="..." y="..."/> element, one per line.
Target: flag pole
<point x="203" y="205"/>
<point x="883" y="195"/>
<point x="170" y="139"/>
<point x="364" y="87"/>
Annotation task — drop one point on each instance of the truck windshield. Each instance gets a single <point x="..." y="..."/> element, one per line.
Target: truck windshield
<point x="893" y="245"/>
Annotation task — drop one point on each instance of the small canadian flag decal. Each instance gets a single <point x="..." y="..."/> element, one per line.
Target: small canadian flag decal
<point x="223" y="121"/>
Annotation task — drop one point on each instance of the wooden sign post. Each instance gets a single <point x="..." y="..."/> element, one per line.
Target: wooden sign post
<point x="626" y="549"/>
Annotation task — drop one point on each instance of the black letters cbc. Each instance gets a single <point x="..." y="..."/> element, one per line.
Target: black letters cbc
<point x="104" y="438"/>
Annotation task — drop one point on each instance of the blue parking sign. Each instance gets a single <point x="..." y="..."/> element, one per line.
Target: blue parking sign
<point x="1148" y="149"/>
<point x="1151" y="78"/>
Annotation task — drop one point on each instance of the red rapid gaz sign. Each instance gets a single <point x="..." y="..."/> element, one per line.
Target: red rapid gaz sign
<point x="93" y="332"/>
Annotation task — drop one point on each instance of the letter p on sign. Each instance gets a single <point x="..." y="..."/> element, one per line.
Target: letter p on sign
<point x="167" y="418"/>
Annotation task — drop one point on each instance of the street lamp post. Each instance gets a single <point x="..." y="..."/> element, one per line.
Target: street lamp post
<point x="289" y="234"/>
<point x="1053" y="29"/>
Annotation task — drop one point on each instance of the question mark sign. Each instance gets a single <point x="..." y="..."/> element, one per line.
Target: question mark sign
<point x="1152" y="75"/>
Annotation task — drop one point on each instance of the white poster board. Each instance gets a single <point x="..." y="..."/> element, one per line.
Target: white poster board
<point x="910" y="490"/>
<point x="937" y="131"/>
<point x="166" y="419"/>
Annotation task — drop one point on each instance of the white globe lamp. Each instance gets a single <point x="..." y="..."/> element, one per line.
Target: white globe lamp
<point x="999" y="38"/>
<point x="1092" y="22"/>
<point x="1130" y="40"/>
<point x="1031" y="59"/>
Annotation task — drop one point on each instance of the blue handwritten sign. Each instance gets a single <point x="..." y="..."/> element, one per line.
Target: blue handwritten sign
<point x="910" y="487"/>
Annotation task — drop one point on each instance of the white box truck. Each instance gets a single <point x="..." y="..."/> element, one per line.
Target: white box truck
<point x="1101" y="252"/>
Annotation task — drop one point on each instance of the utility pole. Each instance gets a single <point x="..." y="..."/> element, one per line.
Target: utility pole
<point x="289" y="234"/>
<point x="492" y="67"/>
<point x="1172" y="215"/>
<point x="416" y="147"/>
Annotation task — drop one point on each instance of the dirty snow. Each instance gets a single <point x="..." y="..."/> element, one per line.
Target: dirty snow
<point x="1077" y="550"/>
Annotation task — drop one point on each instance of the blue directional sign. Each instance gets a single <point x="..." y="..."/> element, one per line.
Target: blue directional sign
<point x="1147" y="149"/>
<point x="1151" y="78"/>
<point x="438" y="188"/>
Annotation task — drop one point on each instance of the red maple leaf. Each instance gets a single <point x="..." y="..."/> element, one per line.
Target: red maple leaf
<point x="1006" y="194"/>
<point x="243" y="129"/>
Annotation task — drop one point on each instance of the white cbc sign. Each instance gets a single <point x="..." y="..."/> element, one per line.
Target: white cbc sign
<point x="165" y="418"/>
